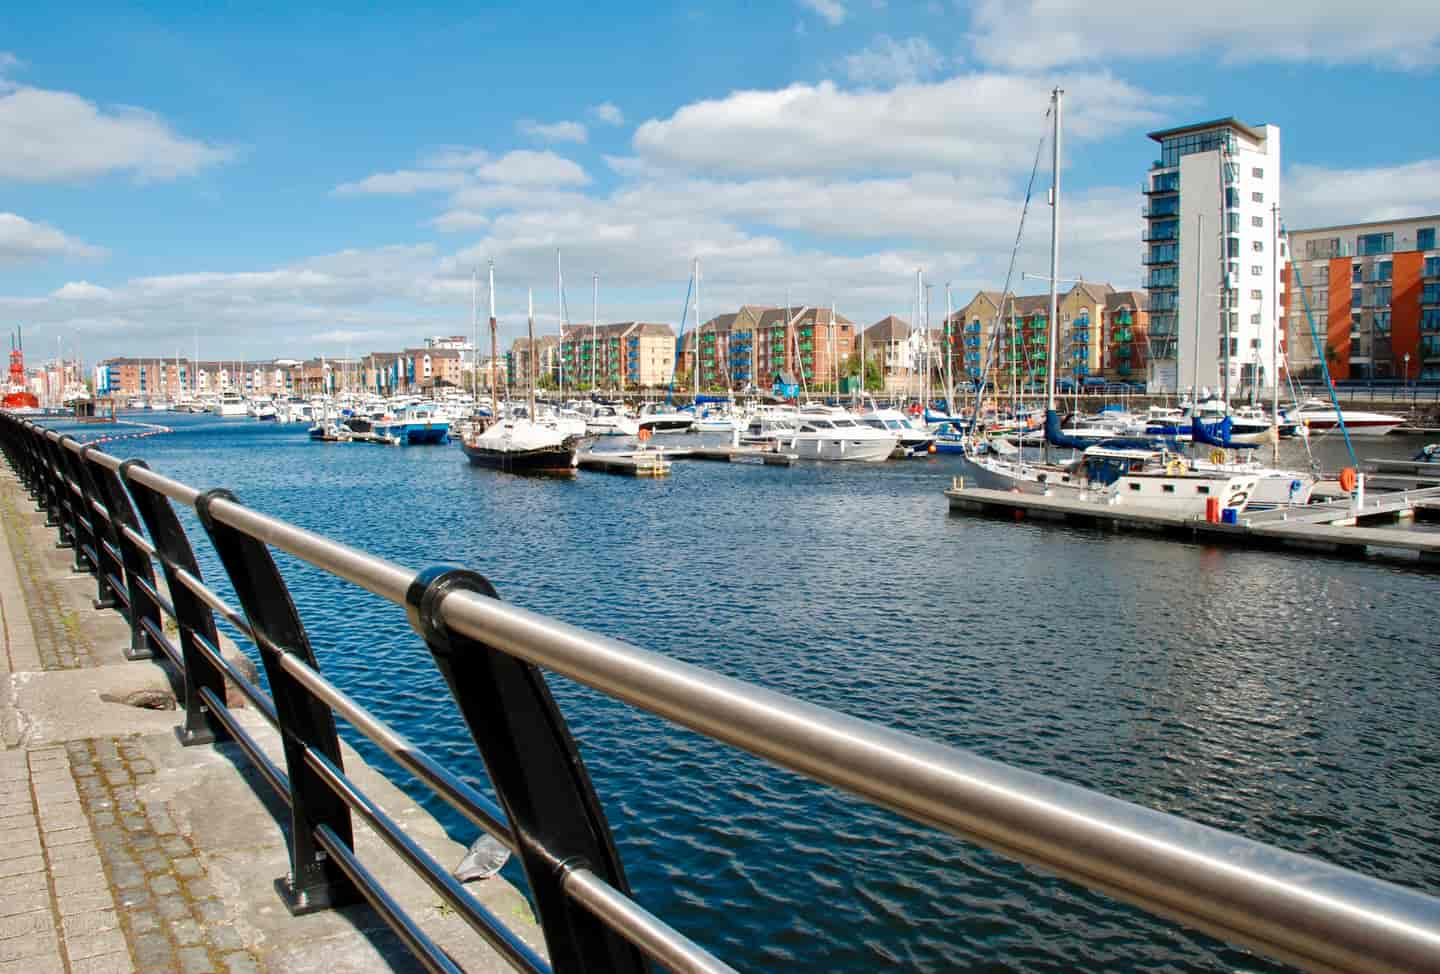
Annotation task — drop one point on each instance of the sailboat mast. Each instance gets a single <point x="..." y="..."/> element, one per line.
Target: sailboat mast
<point x="494" y="351"/>
<point x="949" y="355"/>
<point x="594" y="327"/>
<point x="475" y="331"/>
<point x="560" y="296"/>
<point x="1051" y="325"/>
<point x="1275" y="341"/>
<point x="534" y="357"/>
<point x="699" y="328"/>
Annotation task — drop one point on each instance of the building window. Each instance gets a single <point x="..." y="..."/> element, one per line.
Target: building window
<point x="1257" y="221"/>
<point x="1254" y="343"/>
<point x="1257" y="295"/>
<point x="1257" y="270"/>
<point x="1232" y="198"/>
<point x="1425" y="238"/>
<point x="1372" y="244"/>
<point x="1255" y="318"/>
<point x="1382" y="296"/>
<point x="1258" y="246"/>
<point x="1257" y="172"/>
<point x="1257" y="197"/>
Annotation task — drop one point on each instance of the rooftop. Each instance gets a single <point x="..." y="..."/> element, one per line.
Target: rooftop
<point x="1215" y="123"/>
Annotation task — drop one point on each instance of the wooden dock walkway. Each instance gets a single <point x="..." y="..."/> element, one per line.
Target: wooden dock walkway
<point x="656" y="462"/>
<point x="1336" y="528"/>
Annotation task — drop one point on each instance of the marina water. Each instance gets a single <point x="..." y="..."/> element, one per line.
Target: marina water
<point x="1288" y="698"/>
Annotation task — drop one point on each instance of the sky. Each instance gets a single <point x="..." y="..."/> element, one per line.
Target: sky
<point x="276" y="182"/>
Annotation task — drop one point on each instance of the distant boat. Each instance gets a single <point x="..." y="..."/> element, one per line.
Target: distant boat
<point x="418" y="425"/>
<point x="660" y="418"/>
<point x="231" y="404"/>
<point x="1319" y="416"/>
<point x="522" y="446"/>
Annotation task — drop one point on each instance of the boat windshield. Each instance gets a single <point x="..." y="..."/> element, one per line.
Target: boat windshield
<point x="846" y="424"/>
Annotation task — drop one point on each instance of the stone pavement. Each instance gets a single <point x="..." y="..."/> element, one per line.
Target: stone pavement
<point x="122" y="851"/>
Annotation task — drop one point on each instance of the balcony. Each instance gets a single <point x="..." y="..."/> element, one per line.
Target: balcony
<point x="1121" y="335"/>
<point x="1123" y="352"/>
<point x="1167" y="182"/>
<point x="1161" y="231"/>
<point x="1165" y="206"/>
<point x="1122" y="369"/>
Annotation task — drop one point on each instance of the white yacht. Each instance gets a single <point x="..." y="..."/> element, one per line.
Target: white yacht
<point x="230" y="404"/>
<point x="603" y="419"/>
<point x="1319" y="416"/>
<point x="914" y="439"/>
<point x="836" y="435"/>
<point x="657" y="417"/>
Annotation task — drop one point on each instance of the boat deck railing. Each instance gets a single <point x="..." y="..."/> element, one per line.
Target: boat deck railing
<point x="120" y="519"/>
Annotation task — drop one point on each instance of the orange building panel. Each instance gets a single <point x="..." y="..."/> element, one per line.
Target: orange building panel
<point x="1405" y="290"/>
<point x="1337" y="323"/>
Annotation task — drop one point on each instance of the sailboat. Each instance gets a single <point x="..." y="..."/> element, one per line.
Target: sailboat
<point x="1114" y="471"/>
<point x="523" y="444"/>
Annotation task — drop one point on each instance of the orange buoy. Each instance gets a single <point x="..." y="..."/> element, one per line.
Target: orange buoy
<point x="1348" y="479"/>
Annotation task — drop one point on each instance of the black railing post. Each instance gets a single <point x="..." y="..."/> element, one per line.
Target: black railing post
<point x="192" y="616"/>
<point x="315" y="881"/>
<point x="55" y="484"/>
<point x="105" y="535"/>
<point x="136" y="562"/>
<point x="87" y="534"/>
<point x="537" y="773"/>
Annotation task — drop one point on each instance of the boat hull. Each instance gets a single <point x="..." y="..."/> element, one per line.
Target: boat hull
<point x="559" y="458"/>
<point x="428" y="434"/>
<point x="874" y="450"/>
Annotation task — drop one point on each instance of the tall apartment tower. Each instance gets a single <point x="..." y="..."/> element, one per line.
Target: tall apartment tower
<point x="1210" y="256"/>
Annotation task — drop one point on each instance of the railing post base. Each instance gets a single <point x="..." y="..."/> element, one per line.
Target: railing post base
<point x="133" y="652"/>
<point x="193" y="736"/>
<point x="314" y="897"/>
<point x="109" y="603"/>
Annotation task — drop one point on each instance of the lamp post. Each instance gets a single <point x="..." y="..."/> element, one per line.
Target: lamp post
<point x="1406" y="358"/>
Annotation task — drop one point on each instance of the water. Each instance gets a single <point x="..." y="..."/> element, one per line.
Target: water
<point x="1289" y="698"/>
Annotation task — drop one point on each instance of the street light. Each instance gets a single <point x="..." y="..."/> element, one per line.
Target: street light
<point x="1406" y="357"/>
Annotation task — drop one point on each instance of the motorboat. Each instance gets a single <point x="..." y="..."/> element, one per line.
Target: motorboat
<point x="658" y="417"/>
<point x="416" y="425"/>
<point x="603" y="419"/>
<point x="914" y="439"/>
<point x="522" y="446"/>
<point x="1319" y="416"/>
<point x="833" y="434"/>
<point x="230" y="404"/>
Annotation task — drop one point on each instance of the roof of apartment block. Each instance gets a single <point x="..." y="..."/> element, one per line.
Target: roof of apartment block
<point x="1127" y="299"/>
<point x="888" y="329"/>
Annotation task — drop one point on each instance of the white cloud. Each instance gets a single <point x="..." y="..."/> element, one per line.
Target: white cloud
<point x="1038" y="34"/>
<point x="403" y="182"/>
<point x="22" y="239"/>
<point x="56" y="136"/>
<point x="971" y="120"/>
<point x="553" y="131"/>
<point x="888" y="62"/>
<point x="1320" y="196"/>
<point x="455" y="157"/>
<point x="607" y="113"/>
<point x="831" y="11"/>
<point x="525" y="168"/>
<point x="81" y="291"/>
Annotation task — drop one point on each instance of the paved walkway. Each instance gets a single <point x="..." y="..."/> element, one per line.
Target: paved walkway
<point x="122" y="851"/>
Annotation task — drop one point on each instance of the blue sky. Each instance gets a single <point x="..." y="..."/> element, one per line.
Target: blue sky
<point x="293" y="183"/>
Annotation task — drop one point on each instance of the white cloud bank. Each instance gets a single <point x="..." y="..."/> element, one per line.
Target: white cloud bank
<point x="22" y="239"/>
<point x="58" y="136"/>
<point x="1032" y="35"/>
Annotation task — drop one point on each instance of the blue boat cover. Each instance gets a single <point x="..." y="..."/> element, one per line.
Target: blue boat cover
<point x="1215" y="434"/>
<point x="1054" y="437"/>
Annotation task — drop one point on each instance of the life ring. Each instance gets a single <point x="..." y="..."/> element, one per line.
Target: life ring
<point x="1174" y="468"/>
<point x="1217" y="456"/>
<point x="1348" y="479"/>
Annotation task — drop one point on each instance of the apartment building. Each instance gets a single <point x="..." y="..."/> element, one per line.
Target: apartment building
<point x="1212" y="257"/>
<point x="1124" y="336"/>
<point x="1016" y="343"/>
<point x="625" y="354"/>
<point x="750" y="347"/>
<point x="1373" y="293"/>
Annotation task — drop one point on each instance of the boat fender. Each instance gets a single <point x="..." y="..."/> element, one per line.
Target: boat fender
<point x="1348" y="479"/>
<point x="1217" y="455"/>
<point x="1174" y="468"/>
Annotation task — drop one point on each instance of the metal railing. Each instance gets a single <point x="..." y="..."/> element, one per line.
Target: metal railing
<point x="491" y="654"/>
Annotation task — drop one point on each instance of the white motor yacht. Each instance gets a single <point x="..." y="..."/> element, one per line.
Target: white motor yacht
<point x="657" y="417"/>
<point x="914" y="439"/>
<point x="1319" y="416"/>
<point x="603" y="419"/>
<point x="230" y="404"/>
<point x="833" y="434"/>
